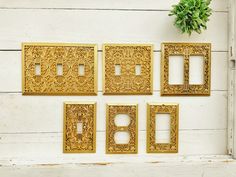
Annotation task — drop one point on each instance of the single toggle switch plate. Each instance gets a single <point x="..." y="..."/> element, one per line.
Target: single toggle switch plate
<point x="79" y="134"/>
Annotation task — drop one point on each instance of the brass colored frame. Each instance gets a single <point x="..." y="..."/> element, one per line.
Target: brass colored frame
<point x="111" y="128"/>
<point x="87" y="144"/>
<point x="186" y="50"/>
<point x="152" y="110"/>
<point x="48" y="55"/>
<point x="127" y="83"/>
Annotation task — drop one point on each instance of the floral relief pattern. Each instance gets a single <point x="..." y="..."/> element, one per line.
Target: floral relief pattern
<point x="75" y="113"/>
<point x="152" y="146"/>
<point x="127" y="56"/>
<point x="186" y="50"/>
<point x="132" y="128"/>
<point x="49" y="82"/>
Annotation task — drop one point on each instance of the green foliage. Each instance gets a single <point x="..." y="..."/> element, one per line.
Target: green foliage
<point x="191" y="15"/>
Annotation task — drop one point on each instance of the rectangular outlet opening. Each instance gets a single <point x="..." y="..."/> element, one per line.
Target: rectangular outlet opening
<point x="81" y="70"/>
<point x="176" y="70"/>
<point x="37" y="69"/>
<point x="117" y="70"/>
<point x="137" y="70"/>
<point x="162" y="128"/>
<point x="59" y="69"/>
<point x="196" y="71"/>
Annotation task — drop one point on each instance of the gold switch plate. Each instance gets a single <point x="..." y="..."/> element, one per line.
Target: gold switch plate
<point x="127" y="56"/>
<point x="52" y="80"/>
<point x="111" y="128"/>
<point x="152" y="110"/>
<point x="84" y="141"/>
<point x="186" y="50"/>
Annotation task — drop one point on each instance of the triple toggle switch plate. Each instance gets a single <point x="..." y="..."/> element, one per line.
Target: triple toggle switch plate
<point x="59" y="69"/>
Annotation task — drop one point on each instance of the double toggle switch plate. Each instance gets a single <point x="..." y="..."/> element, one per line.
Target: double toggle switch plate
<point x="59" y="69"/>
<point x="127" y="69"/>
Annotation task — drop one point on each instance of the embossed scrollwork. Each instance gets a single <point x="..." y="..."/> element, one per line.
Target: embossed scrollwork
<point x="85" y="141"/>
<point x="127" y="56"/>
<point x="112" y="128"/>
<point x="187" y="50"/>
<point x="69" y="57"/>
<point x="152" y="110"/>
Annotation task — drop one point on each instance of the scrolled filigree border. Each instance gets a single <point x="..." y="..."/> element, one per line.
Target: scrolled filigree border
<point x="72" y="142"/>
<point x="187" y="50"/>
<point x="162" y="108"/>
<point x="111" y="111"/>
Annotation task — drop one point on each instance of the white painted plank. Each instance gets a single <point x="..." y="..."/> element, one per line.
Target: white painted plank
<point x="234" y="83"/>
<point x="231" y="79"/>
<point x="218" y="5"/>
<point x="161" y="159"/>
<point x="178" y="169"/>
<point x="93" y="26"/>
<point x="10" y="71"/>
<point x="44" y="147"/>
<point x="31" y="127"/>
<point x="11" y="68"/>
<point x="45" y="114"/>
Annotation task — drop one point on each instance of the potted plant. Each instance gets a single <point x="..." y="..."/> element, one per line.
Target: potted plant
<point x="191" y="15"/>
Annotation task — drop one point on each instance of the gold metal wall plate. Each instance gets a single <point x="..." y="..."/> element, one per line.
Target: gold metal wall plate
<point x="152" y="110"/>
<point x="79" y="134"/>
<point x="49" y="57"/>
<point x="127" y="57"/>
<point x="111" y="128"/>
<point x="186" y="50"/>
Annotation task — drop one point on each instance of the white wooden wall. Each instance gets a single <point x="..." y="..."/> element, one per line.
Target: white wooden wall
<point x="31" y="126"/>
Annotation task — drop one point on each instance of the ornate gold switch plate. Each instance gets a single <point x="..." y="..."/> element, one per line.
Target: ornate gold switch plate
<point x="59" y="69"/>
<point x="132" y="128"/>
<point x="129" y="80"/>
<point x="152" y="110"/>
<point x="79" y="127"/>
<point x="186" y="50"/>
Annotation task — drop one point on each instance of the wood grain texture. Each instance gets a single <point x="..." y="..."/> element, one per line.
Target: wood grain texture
<point x="47" y="147"/>
<point x="217" y="5"/>
<point x="31" y="127"/>
<point x="152" y="27"/>
<point x="45" y="114"/>
<point x="219" y="168"/>
<point x="231" y="80"/>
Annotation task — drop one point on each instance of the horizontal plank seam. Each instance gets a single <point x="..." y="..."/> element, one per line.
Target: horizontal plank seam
<point x="99" y="91"/>
<point x="182" y="159"/>
<point x="157" y="51"/>
<point x="98" y="9"/>
<point x="101" y="131"/>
